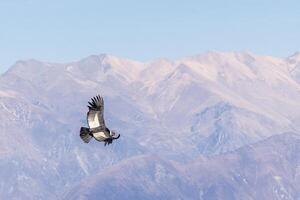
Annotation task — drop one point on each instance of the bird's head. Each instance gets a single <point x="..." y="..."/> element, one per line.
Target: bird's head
<point x="114" y="135"/>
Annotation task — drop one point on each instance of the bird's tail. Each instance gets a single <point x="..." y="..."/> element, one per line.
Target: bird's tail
<point x="85" y="134"/>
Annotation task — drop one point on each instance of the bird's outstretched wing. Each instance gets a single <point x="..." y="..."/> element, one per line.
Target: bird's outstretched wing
<point x="95" y="114"/>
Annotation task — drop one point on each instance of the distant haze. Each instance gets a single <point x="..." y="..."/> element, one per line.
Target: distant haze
<point x="63" y="31"/>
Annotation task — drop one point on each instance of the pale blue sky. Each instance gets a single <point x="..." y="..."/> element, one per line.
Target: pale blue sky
<point x="67" y="30"/>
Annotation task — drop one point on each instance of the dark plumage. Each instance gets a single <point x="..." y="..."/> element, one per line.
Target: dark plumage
<point x="95" y="120"/>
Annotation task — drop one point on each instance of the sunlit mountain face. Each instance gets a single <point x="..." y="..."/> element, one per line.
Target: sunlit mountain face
<point x="211" y="126"/>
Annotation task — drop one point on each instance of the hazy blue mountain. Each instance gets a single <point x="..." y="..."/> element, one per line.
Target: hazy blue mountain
<point x="269" y="169"/>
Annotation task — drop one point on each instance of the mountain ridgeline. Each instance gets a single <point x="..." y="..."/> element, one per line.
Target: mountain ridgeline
<point x="211" y="126"/>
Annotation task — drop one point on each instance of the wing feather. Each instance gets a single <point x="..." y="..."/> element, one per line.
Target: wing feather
<point x="95" y="115"/>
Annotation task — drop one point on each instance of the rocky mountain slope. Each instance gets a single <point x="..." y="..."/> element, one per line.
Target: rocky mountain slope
<point x="204" y="105"/>
<point x="269" y="169"/>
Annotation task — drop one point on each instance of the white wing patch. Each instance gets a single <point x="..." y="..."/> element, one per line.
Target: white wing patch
<point x="99" y="135"/>
<point x="93" y="120"/>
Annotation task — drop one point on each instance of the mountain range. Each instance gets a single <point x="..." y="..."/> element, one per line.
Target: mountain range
<point x="219" y="125"/>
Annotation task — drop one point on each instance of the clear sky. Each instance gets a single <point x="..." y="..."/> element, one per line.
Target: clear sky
<point x="67" y="30"/>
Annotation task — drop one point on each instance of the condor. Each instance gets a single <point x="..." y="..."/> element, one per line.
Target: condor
<point x="95" y="120"/>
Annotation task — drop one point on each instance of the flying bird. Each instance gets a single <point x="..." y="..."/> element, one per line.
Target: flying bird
<point x="95" y="120"/>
